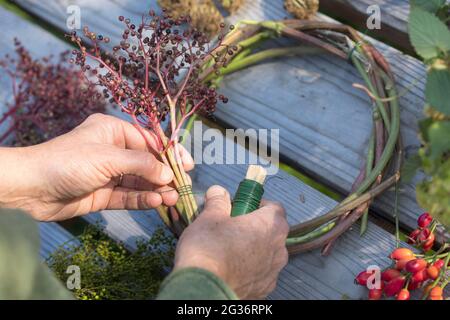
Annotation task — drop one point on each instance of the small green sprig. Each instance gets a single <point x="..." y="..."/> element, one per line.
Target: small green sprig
<point x="109" y="271"/>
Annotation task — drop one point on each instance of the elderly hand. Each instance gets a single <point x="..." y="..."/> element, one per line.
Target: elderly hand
<point x="247" y="252"/>
<point x="79" y="172"/>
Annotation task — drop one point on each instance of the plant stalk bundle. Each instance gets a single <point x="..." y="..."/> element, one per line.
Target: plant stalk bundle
<point x="384" y="156"/>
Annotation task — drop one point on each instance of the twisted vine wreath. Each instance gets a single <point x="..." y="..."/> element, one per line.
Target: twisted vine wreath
<point x="143" y="76"/>
<point x="384" y="156"/>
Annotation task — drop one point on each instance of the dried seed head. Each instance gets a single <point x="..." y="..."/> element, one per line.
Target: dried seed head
<point x="302" y="9"/>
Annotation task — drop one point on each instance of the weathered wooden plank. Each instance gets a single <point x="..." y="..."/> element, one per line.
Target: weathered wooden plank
<point x="324" y="122"/>
<point x="53" y="236"/>
<point x="308" y="276"/>
<point x="394" y="18"/>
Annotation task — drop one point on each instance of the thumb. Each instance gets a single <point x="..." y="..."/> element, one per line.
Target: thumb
<point x="217" y="202"/>
<point x="139" y="163"/>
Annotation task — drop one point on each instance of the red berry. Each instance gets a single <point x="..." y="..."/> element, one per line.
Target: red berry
<point x="433" y="272"/>
<point x="362" y="277"/>
<point x="413" y="285"/>
<point x="400" y="264"/>
<point x="436" y="298"/>
<point x="424" y="220"/>
<point x="439" y="263"/>
<point x="412" y="238"/>
<point x="416" y="265"/>
<point x="436" y="292"/>
<point x="420" y="276"/>
<point x="423" y="235"/>
<point x="394" y="286"/>
<point x="402" y="253"/>
<point x="428" y="244"/>
<point x="403" y="295"/>
<point x="389" y="274"/>
<point x="375" y="294"/>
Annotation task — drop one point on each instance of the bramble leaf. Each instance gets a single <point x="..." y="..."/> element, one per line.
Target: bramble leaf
<point x="434" y="194"/>
<point x="410" y="168"/>
<point x="424" y="125"/>
<point x="439" y="134"/>
<point x="429" y="35"/>
<point x="438" y="90"/>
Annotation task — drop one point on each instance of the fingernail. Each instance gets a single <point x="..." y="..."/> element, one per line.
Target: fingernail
<point x="215" y="191"/>
<point x="166" y="174"/>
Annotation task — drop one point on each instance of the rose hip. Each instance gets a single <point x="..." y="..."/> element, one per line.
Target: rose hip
<point x="362" y="277"/>
<point x="436" y="292"/>
<point x="375" y="294"/>
<point x="433" y="272"/>
<point x="390" y="274"/>
<point x="416" y="265"/>
<point x="424" y="220"/>
<point x="412" y="238"/>
<point x="413" y="285"/>
<point x="400" y="264"/>
<point x="394" y="286"/>
<point x="420" y="276"/>
<point x="403" y="295"/>
<point x="428" y="243"/>
<point x="402" y="253"/>
<point x="439" y="263"/>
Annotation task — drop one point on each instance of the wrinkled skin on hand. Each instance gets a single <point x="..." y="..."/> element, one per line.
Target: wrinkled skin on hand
<point x="247" y="252"/>
<point x="79" y="172"/>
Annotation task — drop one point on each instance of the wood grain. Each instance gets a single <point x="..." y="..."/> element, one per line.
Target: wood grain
<point x="53" y="236"/>
<point x="308" y="276"/>
<point x="394" y="18"/>
<point x="324" y="122"/>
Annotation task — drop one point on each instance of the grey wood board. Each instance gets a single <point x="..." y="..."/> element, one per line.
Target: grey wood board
<point x="324" y="122"/>
<point x="308" y="276"/>
<point x="53" y="236"/>
<point x="393" y="12"/>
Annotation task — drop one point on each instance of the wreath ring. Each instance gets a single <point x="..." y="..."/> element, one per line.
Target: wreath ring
<point x="384" y="155"/>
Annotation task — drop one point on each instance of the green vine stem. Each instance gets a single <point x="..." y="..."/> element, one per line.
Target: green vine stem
<point x="380" y="82"/>
<point x="369" y="166"/>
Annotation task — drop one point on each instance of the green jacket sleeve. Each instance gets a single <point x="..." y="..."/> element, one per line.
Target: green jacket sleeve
<point x="194" y="284"/>
<point x="22" y="273"/>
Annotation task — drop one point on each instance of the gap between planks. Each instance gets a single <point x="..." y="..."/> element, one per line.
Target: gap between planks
<point x="328" y="138"/>
<point x="307" y="276"/>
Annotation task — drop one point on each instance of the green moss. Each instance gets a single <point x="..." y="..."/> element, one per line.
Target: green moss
<point x="310" y="182"/>
<point x="109" y="271"/>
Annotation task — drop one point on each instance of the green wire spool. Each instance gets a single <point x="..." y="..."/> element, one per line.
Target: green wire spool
<point x="250" y="191"/>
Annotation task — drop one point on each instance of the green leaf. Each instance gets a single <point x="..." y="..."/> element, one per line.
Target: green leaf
<point x="429" y="35"/>
<point x="410" y="167"/>
<point x="439" y="134"/>
<point x="438" y="90"/>
<point x="428" y="5"/>
<point x="424" y="125"/>
<point x="434" y="194"/>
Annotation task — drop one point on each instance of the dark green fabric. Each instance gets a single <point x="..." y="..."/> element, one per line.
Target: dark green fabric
<point x="22" y="274"/>
<point x="194" y="284"/>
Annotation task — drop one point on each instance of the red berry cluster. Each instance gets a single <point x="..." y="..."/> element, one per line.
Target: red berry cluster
<point x="154" y="72"/>
<point x="423" y="237"/>
<point x="410" y="271"/>
<point x="50" y="97"/>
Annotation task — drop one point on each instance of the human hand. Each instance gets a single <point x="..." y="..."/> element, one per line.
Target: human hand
<point x="79" y="172"/>
<point x="247" y="252"/>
